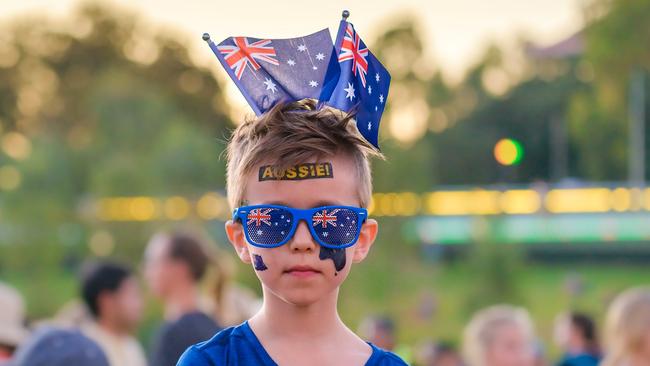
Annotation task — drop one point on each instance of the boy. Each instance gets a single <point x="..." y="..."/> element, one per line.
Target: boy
<point x="299" y="180"/>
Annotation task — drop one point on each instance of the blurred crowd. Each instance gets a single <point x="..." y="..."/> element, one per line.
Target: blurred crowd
<point x="199" y="298"/>
<point x="181" y="270"/>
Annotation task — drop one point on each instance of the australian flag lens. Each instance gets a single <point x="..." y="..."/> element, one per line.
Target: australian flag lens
<point x="268" y="226"/>
<point x="267" y="71"/>
<point x="336" y="226"/>
<point x="363" y="82"/>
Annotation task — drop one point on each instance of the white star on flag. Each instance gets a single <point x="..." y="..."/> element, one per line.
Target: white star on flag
<point x="291" y="62"/>
<point x="313" y="83"/>
<point x="350" y="91"/>
<point x="302" y="48"/>
<point x="325" y="234"/>
<point x="369" y="126"/>
<point x="377" y="77"/>
<point x="369" y="89"/>
<point x="320" y="56"/>
<point x="259" y="232"/>
<point x="270" y="85"/>
<point x="376" y="108"/>
<point x="381" y="98"/>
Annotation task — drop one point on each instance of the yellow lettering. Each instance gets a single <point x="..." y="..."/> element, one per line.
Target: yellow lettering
<point x="320" y="171"/>
<point x="268" y="173"/>
<point x="303" y="171"/>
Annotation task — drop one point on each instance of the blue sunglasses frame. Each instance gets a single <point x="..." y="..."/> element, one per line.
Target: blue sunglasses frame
<point x="241" y="214"/>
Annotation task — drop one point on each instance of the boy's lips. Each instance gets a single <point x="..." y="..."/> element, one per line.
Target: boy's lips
<point x="302" y="271"/>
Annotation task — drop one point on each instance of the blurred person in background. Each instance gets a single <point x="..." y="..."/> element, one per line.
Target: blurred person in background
<point x="500" y="335"/>
<point x="12" y="317"/>
<point x="379" y="330"/>
<point x="627" y="329"/>
<point x="175" y="264"/>
<point x="441" y="354"/>
<point x="112" y="294"/>
<point x="575" y="334"/>
<point x="57" y="347"/>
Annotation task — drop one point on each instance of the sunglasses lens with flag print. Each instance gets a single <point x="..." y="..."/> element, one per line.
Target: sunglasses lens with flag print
<point x="270" y="226"/>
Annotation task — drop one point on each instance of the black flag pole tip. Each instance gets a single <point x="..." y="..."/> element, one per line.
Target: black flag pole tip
<point x="345" y="15"/>
<point x="206" y="37"/>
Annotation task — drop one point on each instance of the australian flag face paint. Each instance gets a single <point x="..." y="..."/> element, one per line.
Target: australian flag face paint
<point x="259" y="263"/>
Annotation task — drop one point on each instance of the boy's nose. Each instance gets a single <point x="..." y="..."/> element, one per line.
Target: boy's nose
<point x="302" y="240"/>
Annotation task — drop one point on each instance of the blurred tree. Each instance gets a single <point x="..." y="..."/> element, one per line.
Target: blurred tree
<point x="406" y="119"/>
<point x="615" y="34"/>
<point x="464" y="150"/>
<point x="97" y="105"/>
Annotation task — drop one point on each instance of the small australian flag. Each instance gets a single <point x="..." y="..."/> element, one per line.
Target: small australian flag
<point x="268" y="71"/>
<point x="363" y="82"/>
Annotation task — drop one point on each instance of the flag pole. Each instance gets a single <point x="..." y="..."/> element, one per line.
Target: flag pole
<point x="345" y="15"/>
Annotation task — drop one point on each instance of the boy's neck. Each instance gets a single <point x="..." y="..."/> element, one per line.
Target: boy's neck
<point x="285" y="320"/>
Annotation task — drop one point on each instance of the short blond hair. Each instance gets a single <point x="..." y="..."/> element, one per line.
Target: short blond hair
<point x="481" y="330"/>
<point x="293" y="133"/>
<point x="626" y="325"/>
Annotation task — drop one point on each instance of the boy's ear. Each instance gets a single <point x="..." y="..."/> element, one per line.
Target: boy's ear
<point x="367" y="237"/>
<point x="235" y="233"/>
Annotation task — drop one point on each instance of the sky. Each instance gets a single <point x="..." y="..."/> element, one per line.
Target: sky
<point x="456" y="32"/>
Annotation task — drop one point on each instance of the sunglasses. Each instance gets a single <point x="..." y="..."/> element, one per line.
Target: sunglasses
<point x="270" y="226"/>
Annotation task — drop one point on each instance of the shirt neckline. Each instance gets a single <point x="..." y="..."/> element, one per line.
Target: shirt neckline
<point x="267" y="358"/>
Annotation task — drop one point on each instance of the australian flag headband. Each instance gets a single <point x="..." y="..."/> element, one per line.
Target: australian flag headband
<point x="345" y="75"/>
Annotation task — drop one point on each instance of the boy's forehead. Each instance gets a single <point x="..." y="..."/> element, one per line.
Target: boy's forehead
<point x="312" y="183"/>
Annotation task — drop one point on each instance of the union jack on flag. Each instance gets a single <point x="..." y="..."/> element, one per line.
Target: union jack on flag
<point x="325" y="218"/>
<point x="351" y="49"/>
<point x="259" y="216"/>
<point x="243" y="54"/>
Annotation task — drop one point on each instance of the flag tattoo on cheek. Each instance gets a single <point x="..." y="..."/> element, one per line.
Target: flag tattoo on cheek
<point x="336" y="255"/>
<point x="259" y="263"/>
<point x="297" y="172"/>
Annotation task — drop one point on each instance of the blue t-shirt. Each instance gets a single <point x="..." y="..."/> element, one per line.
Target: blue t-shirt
<point x="583" y="359"/>
<point x="238" y="346"/>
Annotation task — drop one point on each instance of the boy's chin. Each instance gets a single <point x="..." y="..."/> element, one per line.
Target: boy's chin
<point x="302" y="297"/>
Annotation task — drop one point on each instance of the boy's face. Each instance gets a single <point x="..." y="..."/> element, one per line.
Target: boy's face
<point x="300" y="272"/>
